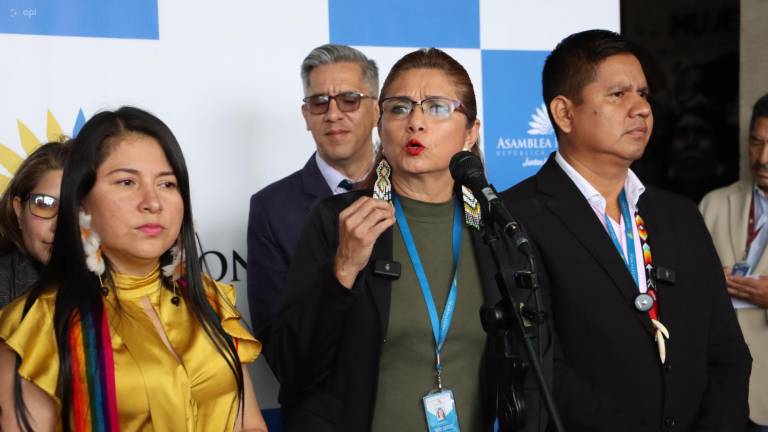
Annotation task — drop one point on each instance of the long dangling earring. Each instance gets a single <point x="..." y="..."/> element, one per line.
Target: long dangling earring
<point x="94" y="259"/>
<point x="175" y="269"/>
<point x="382" y="188"/>
<point x="471" y="208"/>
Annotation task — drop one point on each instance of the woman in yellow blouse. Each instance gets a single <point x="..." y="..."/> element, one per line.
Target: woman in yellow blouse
<point x="123" y="331"/>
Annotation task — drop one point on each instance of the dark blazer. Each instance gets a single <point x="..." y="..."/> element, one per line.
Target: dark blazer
<point x="276" y="217"/>
<point x="18" y="272"/>
<point x="327" y="341"/>
<point x="610" y="377"/>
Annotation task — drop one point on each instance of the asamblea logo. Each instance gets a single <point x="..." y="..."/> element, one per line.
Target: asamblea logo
<point x="532" y="150"/>
<point x="10" y="160"/>
<point x="518" y="134"/>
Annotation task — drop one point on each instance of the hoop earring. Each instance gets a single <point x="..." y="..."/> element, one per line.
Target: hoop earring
<point x="94" y="259"/>
<point x="175" y="269"/>
<point x="382" y="188"/>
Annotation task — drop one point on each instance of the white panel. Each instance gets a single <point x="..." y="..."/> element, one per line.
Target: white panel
<point x="540" y="25"/>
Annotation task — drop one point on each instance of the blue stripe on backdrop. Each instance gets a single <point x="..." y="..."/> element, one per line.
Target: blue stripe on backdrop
<point x="517" y="132"/>
<point x="405" y="23"/>
<point x="135" y="19"/>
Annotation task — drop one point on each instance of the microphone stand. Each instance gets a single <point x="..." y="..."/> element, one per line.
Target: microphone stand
<point x="505" y="322"/>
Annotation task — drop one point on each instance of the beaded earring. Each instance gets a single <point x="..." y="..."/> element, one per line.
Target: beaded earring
<point x="94" y="259"/>
<point x="471" y="208"/>
<point x="472" y="213"/>
<point x="175" y="269"/>
<point x="382" y="188"/>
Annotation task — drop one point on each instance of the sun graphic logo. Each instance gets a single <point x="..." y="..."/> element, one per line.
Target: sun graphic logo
<point x="10" y="160"/>
<point x="540" y="123"/>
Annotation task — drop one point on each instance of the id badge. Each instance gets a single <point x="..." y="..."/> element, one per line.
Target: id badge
<point x="741" y="268"/>
<point x="440" y="412"/>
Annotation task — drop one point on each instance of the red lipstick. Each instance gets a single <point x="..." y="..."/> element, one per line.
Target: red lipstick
<point x="414" y="147"/>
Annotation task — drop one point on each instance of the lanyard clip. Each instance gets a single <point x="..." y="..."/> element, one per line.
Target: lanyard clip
<point x="439" y="372"/>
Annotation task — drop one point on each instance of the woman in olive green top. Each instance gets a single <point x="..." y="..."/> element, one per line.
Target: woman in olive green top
<point x="356" y="344"/>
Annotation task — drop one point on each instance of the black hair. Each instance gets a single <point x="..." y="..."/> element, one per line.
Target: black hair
<point x="759" y="110"/>
<point x="574" y="61"/>
<point x="78" y="290"/>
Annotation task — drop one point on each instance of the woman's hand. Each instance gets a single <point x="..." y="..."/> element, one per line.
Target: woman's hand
<point x="360" y="225"/>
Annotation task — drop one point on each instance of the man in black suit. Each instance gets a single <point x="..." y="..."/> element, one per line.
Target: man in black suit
<point x="646" y="341"/>
<point x="340" y="87"/>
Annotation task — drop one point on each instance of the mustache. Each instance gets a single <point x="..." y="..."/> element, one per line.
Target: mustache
<point x="760" y="166"/>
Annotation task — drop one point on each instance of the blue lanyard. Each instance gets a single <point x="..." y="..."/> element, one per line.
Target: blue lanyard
<point x="439" y="326"/>
<point x="629" y="258"/>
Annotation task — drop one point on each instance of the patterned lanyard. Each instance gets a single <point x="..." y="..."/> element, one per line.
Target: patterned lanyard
<point x="751" y="232"/>
<point x="648" y="301"/>
<point x="650" y="283"/>
<point x="754" y="225"/>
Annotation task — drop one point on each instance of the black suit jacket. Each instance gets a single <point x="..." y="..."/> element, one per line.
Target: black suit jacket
<point x="326" y="343"/>
<point x="276" y="217"/>
<point x="608" y="375"/>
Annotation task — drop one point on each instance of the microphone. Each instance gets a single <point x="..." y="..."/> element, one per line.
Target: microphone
<point x="467" y="170"/>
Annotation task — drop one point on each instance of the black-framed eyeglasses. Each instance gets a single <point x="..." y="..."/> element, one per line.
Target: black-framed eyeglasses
<point x="346" y="102"/>
<point x="42" y="205"/>
<point x="400" y="107"/>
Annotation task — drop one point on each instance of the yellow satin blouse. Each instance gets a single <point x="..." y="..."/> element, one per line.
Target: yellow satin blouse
<point x="154" y="391"/>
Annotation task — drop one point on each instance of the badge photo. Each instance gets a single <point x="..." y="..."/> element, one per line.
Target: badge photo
<point x="741" y="268"/>
<point x="440" y="412"/>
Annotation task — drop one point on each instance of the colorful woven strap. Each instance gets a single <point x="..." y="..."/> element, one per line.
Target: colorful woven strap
<point x="94" y="399"/>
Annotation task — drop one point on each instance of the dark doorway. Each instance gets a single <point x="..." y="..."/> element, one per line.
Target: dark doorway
<point x="690" y="52"/>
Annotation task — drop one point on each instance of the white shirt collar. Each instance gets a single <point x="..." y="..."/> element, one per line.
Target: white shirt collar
<point x="331" y="175"/>
<point x="632" y="185"/>
<point x="757" y="190"/>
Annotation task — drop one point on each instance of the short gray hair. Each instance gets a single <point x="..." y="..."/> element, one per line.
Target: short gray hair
<point x="330" y="54"/>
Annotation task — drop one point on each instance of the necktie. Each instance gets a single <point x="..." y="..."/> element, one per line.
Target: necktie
<point x="346" y="185"/>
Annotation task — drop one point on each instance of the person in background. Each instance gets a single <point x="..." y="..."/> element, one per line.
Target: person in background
<point x="341" y="85"/>
<point x="381" y="273"/>
<point x="28" y="210"/>
<point x="123" y="330"/>
<point x="736" y="216"/>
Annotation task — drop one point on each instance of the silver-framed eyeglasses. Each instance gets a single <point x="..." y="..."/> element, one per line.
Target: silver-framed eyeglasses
<point x="345" y="101"/>
<point x="400" y="107"/>
<point x="42" y="205"/>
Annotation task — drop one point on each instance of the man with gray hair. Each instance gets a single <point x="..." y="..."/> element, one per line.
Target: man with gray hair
<point x="340" y="87"/>
<point x="735" y="216"/>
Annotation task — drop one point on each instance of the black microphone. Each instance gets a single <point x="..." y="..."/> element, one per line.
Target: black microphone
<point x="467" y="170"/>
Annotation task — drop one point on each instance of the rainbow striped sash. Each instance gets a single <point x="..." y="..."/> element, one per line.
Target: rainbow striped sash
<point x="94" y="399"/>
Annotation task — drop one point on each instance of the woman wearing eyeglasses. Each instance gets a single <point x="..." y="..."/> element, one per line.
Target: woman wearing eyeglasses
<point x="380" y="327"/>
<point x="28" y="210"/>
<point x="124" y="331"/>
